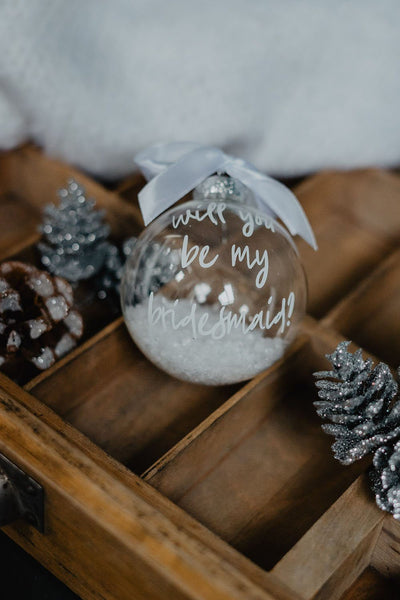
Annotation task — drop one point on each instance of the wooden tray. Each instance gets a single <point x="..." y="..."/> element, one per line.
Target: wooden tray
<point x="159" y="489"/>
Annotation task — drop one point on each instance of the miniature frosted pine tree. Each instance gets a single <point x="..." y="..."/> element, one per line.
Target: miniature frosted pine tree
<point x="75" y="246"/>
<point x="75" y="235"/>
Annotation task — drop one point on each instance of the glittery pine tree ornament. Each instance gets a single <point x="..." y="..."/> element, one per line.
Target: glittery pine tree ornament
<point x="385" y="478"/>
<point x="358" y="400"/>
<point x="74" y="244"/>
<point x="38" y="321"/>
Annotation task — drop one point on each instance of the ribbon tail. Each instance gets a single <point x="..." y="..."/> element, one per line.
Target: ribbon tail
<point x="274" y="195"/>
<point x="157" y="158"/>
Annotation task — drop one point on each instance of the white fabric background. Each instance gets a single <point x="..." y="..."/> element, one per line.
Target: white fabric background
<point x="291" y="85"/>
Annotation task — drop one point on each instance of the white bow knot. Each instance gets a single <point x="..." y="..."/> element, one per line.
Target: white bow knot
<point x="174" y="169"/>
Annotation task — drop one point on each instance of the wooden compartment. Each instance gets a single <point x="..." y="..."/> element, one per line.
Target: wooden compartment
<point x="356" y="220"/>
<point x="371" y="585"/>
<point x="27" y="183"/>
<point x="259" y="472"/>
<point x="131" y="409"/>
<point x="159" y="489"/>
<point x="370" y="314"/>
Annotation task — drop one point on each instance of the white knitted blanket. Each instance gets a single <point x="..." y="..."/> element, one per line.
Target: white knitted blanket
<point x="291" y="85"/>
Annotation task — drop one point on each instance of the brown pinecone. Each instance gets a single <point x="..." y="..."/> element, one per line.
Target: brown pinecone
<point x="38" y="324"/>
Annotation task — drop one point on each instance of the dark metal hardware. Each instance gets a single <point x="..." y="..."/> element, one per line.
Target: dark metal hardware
<point x="20" y="496"/>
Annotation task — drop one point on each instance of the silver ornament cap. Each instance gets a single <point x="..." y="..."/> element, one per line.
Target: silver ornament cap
<point x="223" y="188"/>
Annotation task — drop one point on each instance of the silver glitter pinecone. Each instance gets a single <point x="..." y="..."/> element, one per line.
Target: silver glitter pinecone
<point x="385" y="478"/>
<point x="74" y="244"/>
<point x="357" y="399"/>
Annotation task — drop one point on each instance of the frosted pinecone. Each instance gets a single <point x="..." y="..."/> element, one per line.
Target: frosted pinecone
<point x="38" y="323"/>
<point x="357" y="399"/>
<point x="385" y="478"/>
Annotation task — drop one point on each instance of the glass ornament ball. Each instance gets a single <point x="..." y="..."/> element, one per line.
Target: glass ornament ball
<point x="214" y="289"/>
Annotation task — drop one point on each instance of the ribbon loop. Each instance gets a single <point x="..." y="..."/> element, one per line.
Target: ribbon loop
<point x="174" y="169"/>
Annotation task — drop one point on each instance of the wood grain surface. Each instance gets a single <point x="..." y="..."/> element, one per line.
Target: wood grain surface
<point x="239" y="497"/>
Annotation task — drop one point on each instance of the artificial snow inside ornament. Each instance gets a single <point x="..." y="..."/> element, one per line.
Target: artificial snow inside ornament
<point x="214" y="289"/>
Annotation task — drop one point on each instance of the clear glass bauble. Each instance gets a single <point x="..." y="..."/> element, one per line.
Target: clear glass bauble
<point x="214" y="289"/>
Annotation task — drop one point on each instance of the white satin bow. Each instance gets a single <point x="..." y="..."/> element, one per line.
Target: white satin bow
<point x="174" y="169"/>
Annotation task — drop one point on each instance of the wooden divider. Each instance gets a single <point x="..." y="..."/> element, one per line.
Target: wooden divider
<point x="337" y="549"/>
<point x="259" y="471"/>
<point x="356" y="220"/>
<point x="370" y="314"/>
